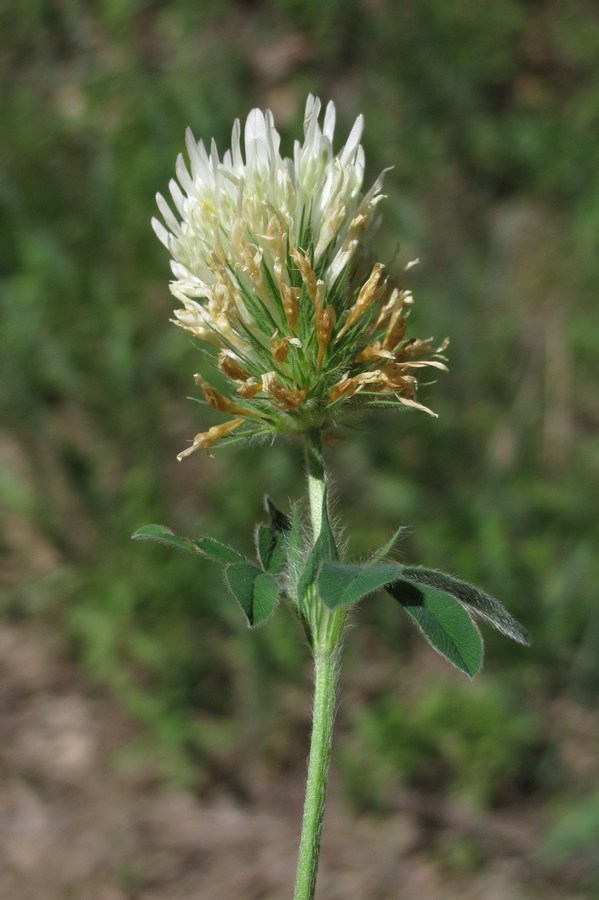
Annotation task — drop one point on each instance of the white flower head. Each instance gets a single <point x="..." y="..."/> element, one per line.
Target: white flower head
<point x="268" y="263"/>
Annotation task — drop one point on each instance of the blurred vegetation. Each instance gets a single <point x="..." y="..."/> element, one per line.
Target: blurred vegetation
<point x="489" y="114"/>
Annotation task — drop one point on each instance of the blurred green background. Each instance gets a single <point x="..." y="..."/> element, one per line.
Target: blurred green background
<point x="489" y="114"/>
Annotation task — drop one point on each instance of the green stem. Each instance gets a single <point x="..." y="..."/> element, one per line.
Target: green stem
<point x="316" y="479"/>
<point x="326" y="672"/>
<point x="326" y="627"/>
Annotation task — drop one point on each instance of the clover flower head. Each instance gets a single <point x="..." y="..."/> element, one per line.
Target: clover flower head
<point x="272" y="269"/>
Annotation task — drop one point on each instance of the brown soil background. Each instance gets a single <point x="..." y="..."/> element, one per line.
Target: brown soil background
<point x="75" y="822"/>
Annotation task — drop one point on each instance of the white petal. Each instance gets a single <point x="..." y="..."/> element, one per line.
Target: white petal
<point x="194" y="154"/>
<point x="360" y="165"/>
<point x="376" y="187"/>
<point x="255" y="138"/>
<point x="311" y="102"/>
<point x="297" y="158"/>
<point x="184" y="176"/>
<point x="160" y="232"/>
<point x="178" y="197"/>
<point x="235" y="146"/>
<point x="329" y="121"/>
<point x="214" y="160"/>
<point x="179" y="271"/>
<point x="255" y="185"/>
<point x="353" y="141"/>
<point x="167" y="214"/>
<point x="273" y="137"/>
<point x="311" y="129"/>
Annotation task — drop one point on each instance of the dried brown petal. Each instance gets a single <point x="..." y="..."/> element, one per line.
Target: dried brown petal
<point x="324" y="329"/>
<point x="307" y="272"/>
<point x="231" y="368"/>
<point x="368" y="293"/>
<point x="208" y="438"/>
<point x="224" y="404"/>
<point x="284" y="398"/>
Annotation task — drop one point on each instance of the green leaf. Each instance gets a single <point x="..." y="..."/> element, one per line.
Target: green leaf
<point x="342" y="583"/>
<point x="444" y="622"/>
<point x="473" y="598"/>
<point x="205" y="546"/>
<point x="326" y="538"/>
<point x="324" y="550"/>
<point x="256" y="591"/>
<point x="294" y="551"/>
<point x="218" y="552"/>
<point x="271" y="545"/>
<point x="279" y="519"/>
<point x="163" y="535"/>
<point x="386" y="548"/>
<point x="271" y="540"/>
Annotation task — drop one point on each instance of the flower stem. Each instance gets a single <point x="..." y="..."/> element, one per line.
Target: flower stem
<point x="326" y="672"/>
<point x="326" y="628"/>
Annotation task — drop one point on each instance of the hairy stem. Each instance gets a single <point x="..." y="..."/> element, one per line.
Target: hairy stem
<point x="326" y="672"/>
<point x="326" y="627"/>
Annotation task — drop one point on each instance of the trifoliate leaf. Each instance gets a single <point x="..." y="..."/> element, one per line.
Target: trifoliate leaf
<point x="256" y="591"/>
<point x="342" y="583"/>
<point x="444" y="622"/>
<point x="204" y="546"/>
<point x="473" y="598"/>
